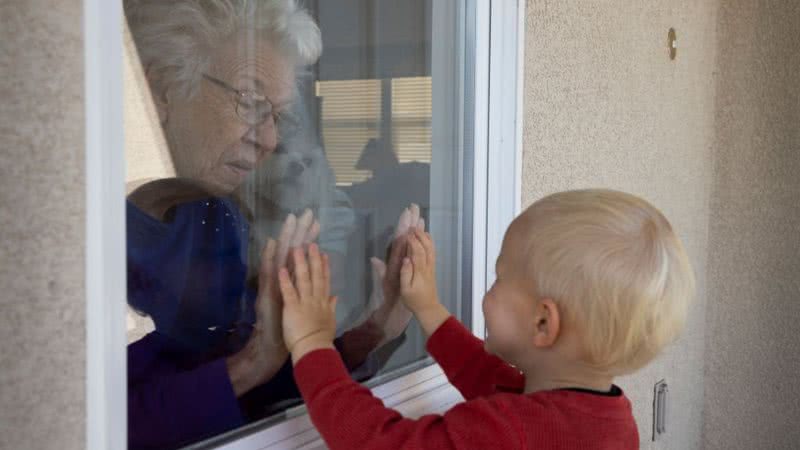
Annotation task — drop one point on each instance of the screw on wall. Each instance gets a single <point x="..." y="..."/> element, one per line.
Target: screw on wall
<point x="672" y="43"/>
<point x="660" y="410"/>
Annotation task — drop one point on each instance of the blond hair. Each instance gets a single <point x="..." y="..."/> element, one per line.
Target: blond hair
<point x="615" y="268"/>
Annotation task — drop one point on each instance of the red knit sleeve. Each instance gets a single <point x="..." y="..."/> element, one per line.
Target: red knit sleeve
<point x="468" y="366"/>
<point x="348" y="416"/>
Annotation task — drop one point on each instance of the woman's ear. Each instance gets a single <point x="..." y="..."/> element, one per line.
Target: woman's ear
<point x="158" y="91"/>
<point x="547" y="323"/>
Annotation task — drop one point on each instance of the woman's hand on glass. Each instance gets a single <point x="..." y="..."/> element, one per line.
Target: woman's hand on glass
<point x="265" y="351"/>
<point x="295" y="233"/>
<point x="390" y="313"/>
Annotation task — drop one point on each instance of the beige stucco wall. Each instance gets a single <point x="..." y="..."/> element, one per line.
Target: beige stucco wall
<point x="42" y="344"/>
<point x="712" y="139"/>
<point x="605" y="107"/>
<point x="753" y="338"/>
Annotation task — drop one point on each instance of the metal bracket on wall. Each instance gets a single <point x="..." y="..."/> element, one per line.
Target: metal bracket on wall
<point x="660" y="409"/>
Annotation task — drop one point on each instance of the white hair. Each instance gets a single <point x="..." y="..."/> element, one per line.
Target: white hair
<point x="613" y="264"/>
<point x="176" y="38"/>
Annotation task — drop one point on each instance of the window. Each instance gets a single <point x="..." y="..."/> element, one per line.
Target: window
<point x="220" y="149"/>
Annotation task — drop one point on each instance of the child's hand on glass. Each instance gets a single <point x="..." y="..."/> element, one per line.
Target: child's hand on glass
<point x="418" y="272"/>
<point x="418" y="281"/>
<point x="265" y="351"/>
<point x="296" y="232"/>
<point x="390" y="314"/>
<point x="309" y="311"/>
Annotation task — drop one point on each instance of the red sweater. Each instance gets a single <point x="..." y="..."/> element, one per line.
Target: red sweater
<point x="495" y="415"/>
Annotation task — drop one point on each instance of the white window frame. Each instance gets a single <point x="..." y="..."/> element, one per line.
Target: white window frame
<point x="498" y="33"/>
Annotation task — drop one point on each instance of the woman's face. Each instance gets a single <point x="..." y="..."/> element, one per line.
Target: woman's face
<point x="208" y="141"/>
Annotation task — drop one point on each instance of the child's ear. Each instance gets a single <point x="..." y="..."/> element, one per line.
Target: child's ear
<point x="547" y="323"/>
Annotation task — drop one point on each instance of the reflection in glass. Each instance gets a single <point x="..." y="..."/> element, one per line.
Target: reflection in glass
<point x="241" y="130"/>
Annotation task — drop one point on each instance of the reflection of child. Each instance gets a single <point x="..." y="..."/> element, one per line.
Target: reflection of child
<point x="590" y="285"/>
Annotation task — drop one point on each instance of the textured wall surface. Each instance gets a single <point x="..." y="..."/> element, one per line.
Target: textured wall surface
<point x="42" y="350"/>
<point x="606" y="107"/>
<point x="753" y="340"/>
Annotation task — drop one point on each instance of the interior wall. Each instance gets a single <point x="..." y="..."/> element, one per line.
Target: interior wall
<point x="42" y="216"/>
<point x="605" y="106"/>
<point x="753" y="342"/>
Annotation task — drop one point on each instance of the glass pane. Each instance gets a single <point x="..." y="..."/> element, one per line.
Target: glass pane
<point x="242" y="116"/>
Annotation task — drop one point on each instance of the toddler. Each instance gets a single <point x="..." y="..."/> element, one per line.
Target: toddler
<point x="590" y="285"/>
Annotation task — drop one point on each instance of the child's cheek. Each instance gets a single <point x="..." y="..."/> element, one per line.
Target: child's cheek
<point x="487" y="345"/>
<point x="494" y="344"/>
<point x="491" y="336"/>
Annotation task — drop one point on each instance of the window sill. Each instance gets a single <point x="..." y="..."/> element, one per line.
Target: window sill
<point x="424" y="391"/>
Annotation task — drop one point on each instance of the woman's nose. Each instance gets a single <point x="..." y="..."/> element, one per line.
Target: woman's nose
<point x="264" y="134"/>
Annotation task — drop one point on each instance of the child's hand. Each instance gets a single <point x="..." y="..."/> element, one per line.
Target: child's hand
<point x="390" y="314"/>
<point x="418" y="282"/>
<point x="265" y="352"/>
<point x="309" y="312"/>
<point x="409" y="219"/>
<point x="294" y="233"/>
<point x="418" y="273"/>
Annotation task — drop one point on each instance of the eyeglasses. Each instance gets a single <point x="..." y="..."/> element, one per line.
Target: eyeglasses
<point x="254" y="108"/>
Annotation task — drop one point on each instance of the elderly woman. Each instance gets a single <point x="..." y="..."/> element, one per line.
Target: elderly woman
<point x="221" y="74"/>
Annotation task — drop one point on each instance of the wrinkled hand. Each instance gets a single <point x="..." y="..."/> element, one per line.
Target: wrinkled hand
<point x="309" y="311"/>
<point x="391" y="315"/>
<point x="295" y="233"/>
<point x="418" y="273"/>
<point x="265" y="351"/>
